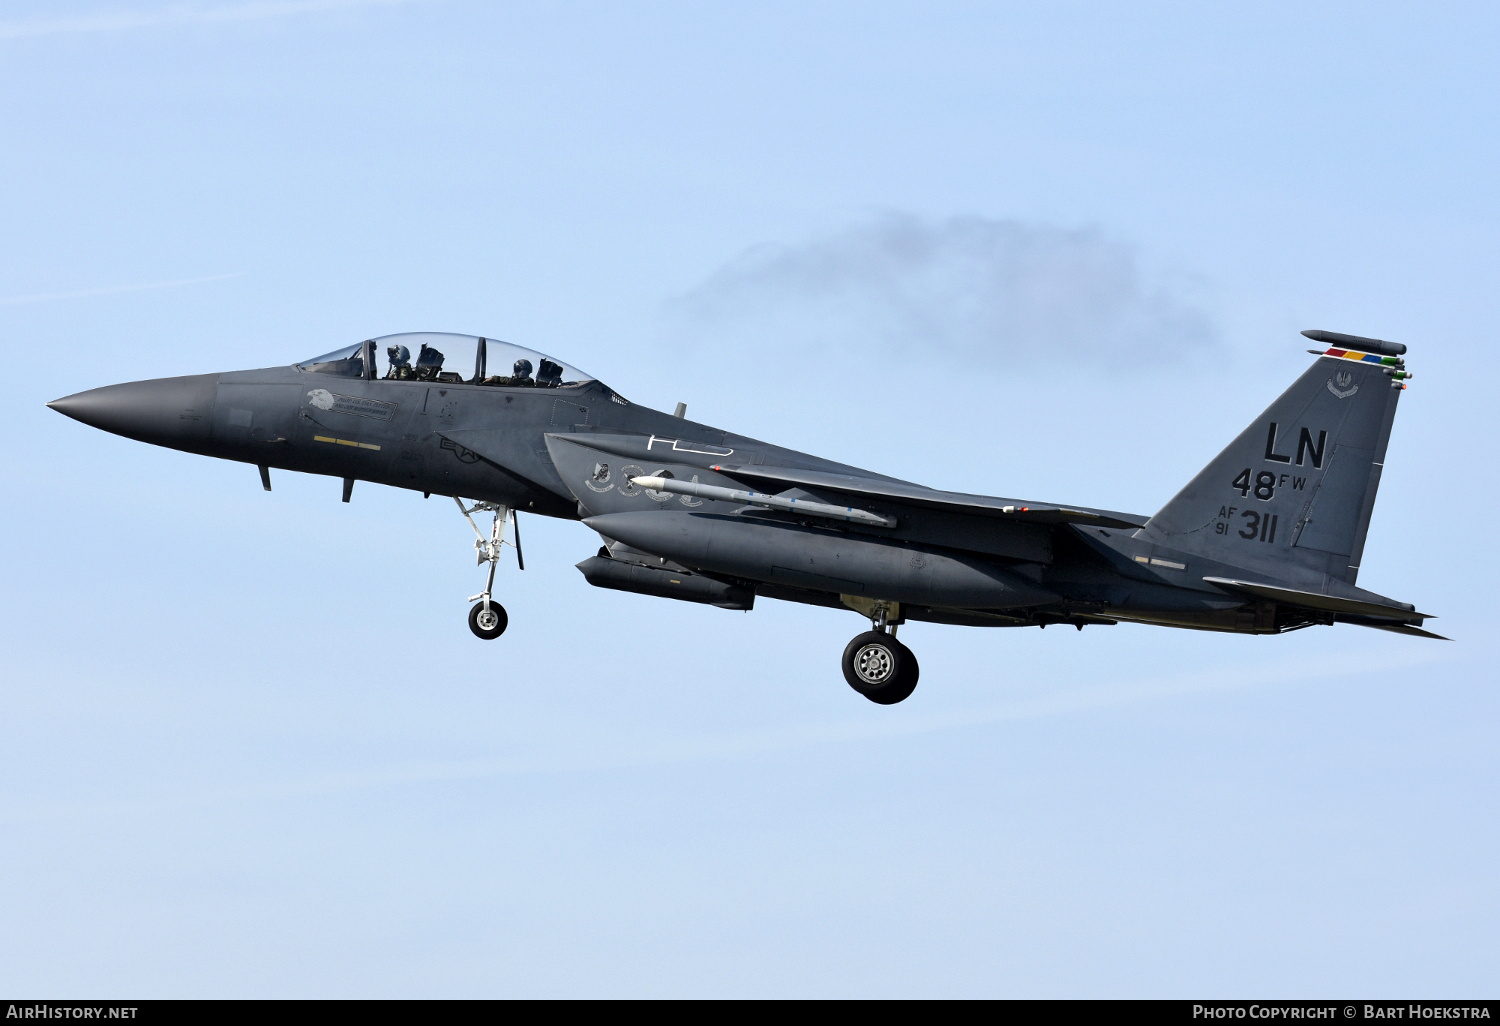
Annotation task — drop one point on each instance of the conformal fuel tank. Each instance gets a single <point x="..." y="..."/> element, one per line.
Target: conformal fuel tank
<point x="622" y="575"/>
<point x="821" y="560"/>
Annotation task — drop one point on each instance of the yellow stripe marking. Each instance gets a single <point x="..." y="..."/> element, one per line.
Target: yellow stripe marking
<point x="345" y="441"/>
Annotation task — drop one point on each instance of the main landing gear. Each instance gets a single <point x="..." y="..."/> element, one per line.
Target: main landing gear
<point x="876" y="664"/>
<point x="487" y="619"/>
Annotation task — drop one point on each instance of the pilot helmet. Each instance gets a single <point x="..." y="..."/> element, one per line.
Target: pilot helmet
<point x="400" y="356"/>
<point x="523" y="368"/>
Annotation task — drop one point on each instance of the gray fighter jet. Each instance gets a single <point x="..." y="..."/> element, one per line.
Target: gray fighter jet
<point x="1266" y="539"/>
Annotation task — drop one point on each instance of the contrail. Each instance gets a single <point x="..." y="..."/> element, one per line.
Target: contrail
<point x="44" y="297"/>
<point x="180" y="14"/>
<point x="994" y="293"/>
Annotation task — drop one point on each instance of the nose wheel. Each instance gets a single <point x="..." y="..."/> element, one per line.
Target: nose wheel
<point x="877" y="665"/>
<point x="488" y="619"/>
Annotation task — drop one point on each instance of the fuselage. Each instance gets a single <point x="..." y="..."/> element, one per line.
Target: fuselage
<point x="542" y="437"/>
<point x="1266" y="538"/>
<point x="491" y="443"/>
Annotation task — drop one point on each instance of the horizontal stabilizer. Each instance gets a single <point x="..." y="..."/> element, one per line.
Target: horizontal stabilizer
<point x="1314" y="600"/>
<point x="904" y="494"/>
<point x="1395" y="628"/>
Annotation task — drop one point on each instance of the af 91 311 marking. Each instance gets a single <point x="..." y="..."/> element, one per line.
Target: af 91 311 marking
<point x="1263" y="524"/>
<point x="1257" y="526"/>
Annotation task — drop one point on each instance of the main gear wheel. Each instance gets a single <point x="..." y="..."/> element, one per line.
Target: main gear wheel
<point x="880" y="667"/>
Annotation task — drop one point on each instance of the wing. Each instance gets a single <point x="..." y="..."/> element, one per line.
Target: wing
<point x="900" y="493"/>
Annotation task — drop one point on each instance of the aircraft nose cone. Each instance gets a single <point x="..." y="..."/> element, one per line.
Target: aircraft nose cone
<point x="175" y="412"/>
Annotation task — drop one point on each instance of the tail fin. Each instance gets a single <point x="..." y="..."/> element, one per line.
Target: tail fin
<point x="1299" y="483"/>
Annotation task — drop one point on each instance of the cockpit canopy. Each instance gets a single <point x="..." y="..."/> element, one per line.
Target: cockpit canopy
<point x="442" y="356"/>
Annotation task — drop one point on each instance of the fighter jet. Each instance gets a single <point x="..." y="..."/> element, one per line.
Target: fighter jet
<point x="1265" y="539"/>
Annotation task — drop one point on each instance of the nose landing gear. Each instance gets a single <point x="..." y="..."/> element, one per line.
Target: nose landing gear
<point x="488" y="619"/>
<point x="877" y="665"/>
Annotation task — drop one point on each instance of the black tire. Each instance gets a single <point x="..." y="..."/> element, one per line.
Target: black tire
<point x="881" y="668"/>
<point x="492" y="631"/>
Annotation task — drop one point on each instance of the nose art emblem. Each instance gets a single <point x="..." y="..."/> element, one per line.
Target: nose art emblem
<point x="599" y="481"/>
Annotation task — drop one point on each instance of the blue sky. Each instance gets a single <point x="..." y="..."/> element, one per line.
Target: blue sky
<point x="248" y="746"/>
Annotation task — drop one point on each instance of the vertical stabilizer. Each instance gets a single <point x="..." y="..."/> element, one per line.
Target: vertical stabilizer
<point x="1298" y="485"/>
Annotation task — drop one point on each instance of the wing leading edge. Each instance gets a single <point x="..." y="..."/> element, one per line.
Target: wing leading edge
<point x="929" y="498"/>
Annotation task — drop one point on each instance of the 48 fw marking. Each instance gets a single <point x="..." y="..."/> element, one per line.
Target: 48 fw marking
<point x="1265" y="484"/>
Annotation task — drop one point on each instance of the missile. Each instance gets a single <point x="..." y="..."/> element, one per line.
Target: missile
<point x="749" y="498"/>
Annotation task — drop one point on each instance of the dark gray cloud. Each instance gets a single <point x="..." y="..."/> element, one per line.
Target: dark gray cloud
<point x="995" y="293"/>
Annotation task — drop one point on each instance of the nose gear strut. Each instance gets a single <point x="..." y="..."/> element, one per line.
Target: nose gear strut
<point x="488" y="619"/>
